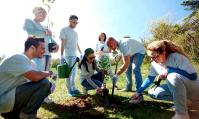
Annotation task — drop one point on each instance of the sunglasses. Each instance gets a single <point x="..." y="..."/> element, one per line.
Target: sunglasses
<point x="74" y="22"/>
<point x="91" y="58"/>
<point x="154" y="57"/>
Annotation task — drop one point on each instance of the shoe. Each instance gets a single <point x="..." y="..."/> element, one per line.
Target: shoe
<point x="76" y="92"/>
<point x="136" y="100"/>
<point x="125" y="90"/>
<point x="70" y="95"/>
<point x="48" y="101"/>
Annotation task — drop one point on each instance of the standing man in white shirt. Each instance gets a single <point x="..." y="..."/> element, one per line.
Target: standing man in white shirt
<point x="69" y="47"/>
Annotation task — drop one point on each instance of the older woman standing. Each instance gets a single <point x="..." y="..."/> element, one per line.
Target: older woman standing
<point x="34" y="28"/>
<point x="170" y="62"/>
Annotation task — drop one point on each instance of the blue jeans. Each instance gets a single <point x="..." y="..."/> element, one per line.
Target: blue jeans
<point x="29" y="97"/>
<point x="162" y="92"/>
<point x="135" y="64"/>
<point x="96" y="78"/>
<point x="70" y="82"/>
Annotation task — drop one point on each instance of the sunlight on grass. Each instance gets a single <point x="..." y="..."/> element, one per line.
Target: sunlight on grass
<point x="154" y="109"/>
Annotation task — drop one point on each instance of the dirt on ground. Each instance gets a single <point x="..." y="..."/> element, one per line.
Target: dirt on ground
<point x="84" y="105"/>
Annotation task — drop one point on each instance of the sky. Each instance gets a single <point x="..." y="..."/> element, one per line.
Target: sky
<point x="117" y="18"/>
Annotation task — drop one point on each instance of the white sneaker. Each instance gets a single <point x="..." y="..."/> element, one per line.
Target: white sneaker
<point x="136" y="100"/>
<point x="48" y="101"/>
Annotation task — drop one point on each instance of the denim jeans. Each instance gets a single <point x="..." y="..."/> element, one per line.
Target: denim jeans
<point x="183" y="91"/>
<point x="29" y="97"/>
<point x="162" y="92"/>
<point x="47" y="62"/>
<point x="70" y="82"/>
<point x="96" y="78"/>
<point x="135" y="65"/>
<point x="180" y="90"/>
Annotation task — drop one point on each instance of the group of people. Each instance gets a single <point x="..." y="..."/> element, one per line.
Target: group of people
<point x="24" y="83"/>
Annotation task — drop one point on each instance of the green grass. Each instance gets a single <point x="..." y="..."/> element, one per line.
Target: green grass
<point x="150" y="108"/>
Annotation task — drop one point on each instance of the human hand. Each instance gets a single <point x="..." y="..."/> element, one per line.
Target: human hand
<point x="48" y="32"/>
<point x="54" y="76"/>
<point x="162" y="76"/>
<point x="48" y="73"/>
<point x="98" y="90"/>
<point x="104" y="72"/>
<point x="135" y="95"/>
<point x="100" y="53"/>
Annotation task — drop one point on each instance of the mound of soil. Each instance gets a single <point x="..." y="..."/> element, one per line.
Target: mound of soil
<point x="75" y="105"/>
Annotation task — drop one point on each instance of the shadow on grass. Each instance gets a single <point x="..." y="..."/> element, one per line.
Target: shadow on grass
<point x="92" y="107"/>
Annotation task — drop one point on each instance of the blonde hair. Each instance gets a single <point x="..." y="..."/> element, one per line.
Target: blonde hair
<point x="165" y="45"/>
<point x="38" y="10"/>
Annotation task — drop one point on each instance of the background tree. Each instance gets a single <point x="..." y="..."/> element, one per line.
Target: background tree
<point x="191" y="4"/>
<point x="186" y="35"/>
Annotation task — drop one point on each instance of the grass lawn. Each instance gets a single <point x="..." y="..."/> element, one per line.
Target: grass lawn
<point x="92" y="107"/>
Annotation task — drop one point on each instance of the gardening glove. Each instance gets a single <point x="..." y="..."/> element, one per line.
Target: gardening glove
<point x="115" y="78"/>
<point x="62" y="61"/>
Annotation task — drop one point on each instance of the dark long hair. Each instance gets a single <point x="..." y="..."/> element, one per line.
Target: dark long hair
<point x="104" y="36"/>
<point x="87" y="52"/>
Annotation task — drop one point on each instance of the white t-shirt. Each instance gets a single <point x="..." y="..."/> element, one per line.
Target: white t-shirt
<point x="11" y="71"/>
<point x="174" y="60"/>
<point x="130" y="47"/>
<point x="101" y="46"/>
<point x="70" y="38"/>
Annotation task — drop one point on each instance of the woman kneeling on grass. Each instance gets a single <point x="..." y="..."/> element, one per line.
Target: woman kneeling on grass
<point x="88" y="78"/>
<point x="170" y="62"/>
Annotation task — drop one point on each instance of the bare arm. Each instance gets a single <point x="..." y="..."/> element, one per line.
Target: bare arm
<point x="62" y="47"/>
<point x="79" y="48"/>
<point x="126" y="62"/>
<point x="37" y="75"/>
